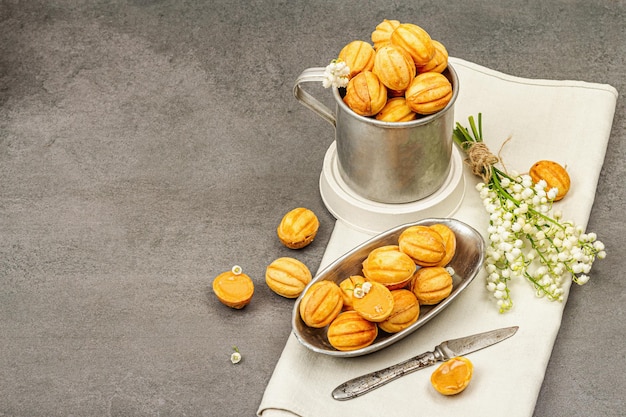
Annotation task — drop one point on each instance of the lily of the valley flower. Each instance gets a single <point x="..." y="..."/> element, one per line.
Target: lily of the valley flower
<point x="361" y="289"/>
<point x="336" y="74"/>
<point x="235" y="357"/>
<point x="526" y="239"/>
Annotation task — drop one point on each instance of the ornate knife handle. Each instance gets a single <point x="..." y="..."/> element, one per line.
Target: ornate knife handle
<point x="368" y="382"/>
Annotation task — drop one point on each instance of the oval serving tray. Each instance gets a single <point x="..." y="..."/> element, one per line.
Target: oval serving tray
<point x="467" y="262"/>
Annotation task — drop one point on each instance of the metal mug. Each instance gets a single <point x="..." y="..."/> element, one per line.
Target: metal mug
<point x="387" y="162"/>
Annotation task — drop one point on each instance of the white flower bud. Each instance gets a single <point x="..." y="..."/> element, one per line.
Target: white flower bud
<point x="523" y="208"/>
<point x="505" y="247"/>
<point x="566" y="244"/>
<point x="552" y="193"/>
<point x="577" y="268"/>
<point x="527" y="193"/>
<point x="581" y="280"/>
<point x="358" y="292"/>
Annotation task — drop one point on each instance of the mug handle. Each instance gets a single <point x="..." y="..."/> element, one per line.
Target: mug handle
<point x="315" y="74"/>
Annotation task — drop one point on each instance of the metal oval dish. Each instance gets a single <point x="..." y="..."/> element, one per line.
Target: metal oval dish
<point x="467" y="262"/>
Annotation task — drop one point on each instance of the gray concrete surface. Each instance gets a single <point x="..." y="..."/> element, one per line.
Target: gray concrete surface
<point x="146" y="146"/>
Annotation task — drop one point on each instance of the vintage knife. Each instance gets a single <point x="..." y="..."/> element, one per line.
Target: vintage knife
<point x="446" y="350"/>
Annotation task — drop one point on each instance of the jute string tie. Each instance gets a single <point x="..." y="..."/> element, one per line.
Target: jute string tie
<point x="480" y="159"/>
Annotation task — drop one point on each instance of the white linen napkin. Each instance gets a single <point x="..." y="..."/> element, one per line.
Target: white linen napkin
<point x="565" y="121"/>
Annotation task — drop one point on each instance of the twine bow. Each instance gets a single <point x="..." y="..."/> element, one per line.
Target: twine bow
<point x="480" y="159"/>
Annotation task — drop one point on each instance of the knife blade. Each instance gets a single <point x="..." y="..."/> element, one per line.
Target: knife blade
<point x="442" y="352"/>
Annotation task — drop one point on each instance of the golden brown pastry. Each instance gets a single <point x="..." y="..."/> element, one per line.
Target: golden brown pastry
<point x="423" y="244"/>
<point x="358" y="56"/>
<point x="439" y="62"/>
<point x="366" y="95"/>
<point x="452" y="376"/>
<point x="406" y="311"/>
<point x="350" y="331"/>
<point x="347" y="290"/>
<point x="389" y="266"/>
<point x="396" y="110"/>
<point x="449" y="241"/>
<point x="287" y="277"/>
<point x="233" y="289"/>
<point x="376" y="303"/>
<point x="428" y="93"/>
<point x="431" y="285"/>
<point x="321" y="303"/>
<point x="298" y="228"/>
<point x="416" y="41"/>
<point x="394" y="67"/>
<point x="382" y="34"/>
<point x="554" y="174"/>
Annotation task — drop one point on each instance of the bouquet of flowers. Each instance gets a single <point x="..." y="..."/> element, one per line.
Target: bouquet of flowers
<point x="526" y="238"/>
